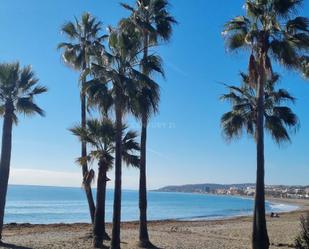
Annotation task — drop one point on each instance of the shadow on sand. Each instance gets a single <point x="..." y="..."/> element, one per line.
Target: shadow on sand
<point x="12" y="246"/>
<point x="283" y="245"/>
<point x="149" y="246"/>
<point x="154" y="247"/>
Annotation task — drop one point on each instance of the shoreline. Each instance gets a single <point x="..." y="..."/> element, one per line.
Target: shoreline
<point x="301" y="206"/>
<point x="231" y="233"/>
<point x="267" y="198"/>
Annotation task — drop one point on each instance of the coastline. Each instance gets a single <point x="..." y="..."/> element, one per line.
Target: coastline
<point x="168" y="234"/>
<point x="302" y="203"/>
<point x="293" y="204"/>
<point x="60" y="207"/>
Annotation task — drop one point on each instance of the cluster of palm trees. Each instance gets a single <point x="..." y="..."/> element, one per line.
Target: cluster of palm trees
<point x="116" y="79"/>
<point x="270" y="31"/>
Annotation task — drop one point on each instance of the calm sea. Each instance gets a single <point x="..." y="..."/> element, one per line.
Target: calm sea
<point x="37" y="204"/>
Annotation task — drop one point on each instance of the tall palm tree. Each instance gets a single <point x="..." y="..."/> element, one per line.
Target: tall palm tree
<point x="144" y="104"/>
<point x="279" y="118"/>
<point x="84" y="38"/>
<point x="100" y="134"/>
<point x="154" y="22"/>
<point x="114" y="85"/>
<point x="18" y="87"/>
<point x="269" y="31"/>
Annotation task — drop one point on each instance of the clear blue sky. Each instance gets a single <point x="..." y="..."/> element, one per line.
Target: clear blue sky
<point x="185" y="140"/>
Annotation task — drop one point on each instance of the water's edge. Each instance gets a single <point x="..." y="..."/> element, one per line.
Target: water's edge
<point x="54" y="205"/>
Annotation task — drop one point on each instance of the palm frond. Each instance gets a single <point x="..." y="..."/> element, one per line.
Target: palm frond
<point x="38" y="90"/>
<point x="152" y="16"/>
<point x="232" y="124"/>
<point x="18" y="86"/>
<point x="236" y="41"/>
<point x="286" y="115"/>
<point x="69" y="30"/>
<point x="238" y="23"/>
<point x="26" y="106"/>
<point x="285" y="8"/>
<point x="127" y="6"/>
<point x="298" y="24"/>
<point x="131" y="160"/>
<point x="98" y="95"/>
<point x="129" y="141"/>
<point x="83" y="135"/>
<point x="274" y="126"/>
<point x="284" y="53"/>
<point x="85" y="39"/>
<point x="152" y="63"/>
<point x="279" y="119"/>
<point x="255" y="8"/>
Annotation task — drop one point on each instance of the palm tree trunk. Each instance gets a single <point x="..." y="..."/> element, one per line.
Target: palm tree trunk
<point x="260" y="238"/>
<point x="143" y="230"/>
<point x="99" y="218"/>
<point x="115" y="243"/>
<point x="87" y="184"/>
<point x="5" y="158"/>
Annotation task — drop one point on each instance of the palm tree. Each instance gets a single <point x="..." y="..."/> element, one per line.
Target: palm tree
<point x="152" y="19"/>
<point x="113" y="84"/>
<point x="279" y="119"/>
<point x="84" y="39"/>
<point x="18" y="87"/>
<point x="144" y="104"/>
<point x="100" y="135"/>
<point x="269" y="30"/>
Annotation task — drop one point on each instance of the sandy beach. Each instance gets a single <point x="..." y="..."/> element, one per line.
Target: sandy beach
<point x="224" y="234"/>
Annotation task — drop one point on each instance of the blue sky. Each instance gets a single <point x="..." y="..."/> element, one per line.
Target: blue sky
<point x="185" y="139"/>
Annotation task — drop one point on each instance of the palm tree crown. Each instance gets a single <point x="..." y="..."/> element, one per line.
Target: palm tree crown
<point x="270" y="26"/>
<point x="153" y="21"/>
<point x="116" y="71"/>
<point x="152" y="17"/>
<point x="278" y="119"/>
<point x="100" y="135"/>
<point x="85" y="39"/>
<point x="18" y="87"/>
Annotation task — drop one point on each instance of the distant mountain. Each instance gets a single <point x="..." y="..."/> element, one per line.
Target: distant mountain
<point x="206" y="187"/>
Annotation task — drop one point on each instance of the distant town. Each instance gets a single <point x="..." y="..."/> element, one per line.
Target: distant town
<point x="246" y="189"/>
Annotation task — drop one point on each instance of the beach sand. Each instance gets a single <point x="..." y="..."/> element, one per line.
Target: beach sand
<point x="220" y="234"/>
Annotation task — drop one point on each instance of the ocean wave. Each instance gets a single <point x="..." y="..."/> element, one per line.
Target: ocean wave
<point x="280" y="207"/>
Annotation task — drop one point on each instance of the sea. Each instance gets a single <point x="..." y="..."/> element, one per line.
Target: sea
<point x="49" y="205"/>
